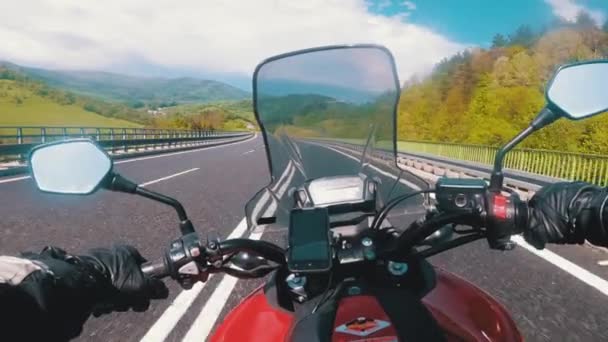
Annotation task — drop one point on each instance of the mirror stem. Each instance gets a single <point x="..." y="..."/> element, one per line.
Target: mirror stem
<point x="121" y="184"/>
<point x="544" y="118"/>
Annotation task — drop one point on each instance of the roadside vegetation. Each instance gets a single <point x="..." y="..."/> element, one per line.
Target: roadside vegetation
<point x="485" y="96"/>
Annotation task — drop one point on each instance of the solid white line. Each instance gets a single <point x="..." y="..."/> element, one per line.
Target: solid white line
<point x="248" y="152"/>
<point x="168" y="177"/>
<point x="566" y="265"/>
<point x="176" y="310"/>
<point x="149" y="157"/>
<point x="204" y="322"/>
<point x="14" y="179"/>
<point x="184" y="152"/>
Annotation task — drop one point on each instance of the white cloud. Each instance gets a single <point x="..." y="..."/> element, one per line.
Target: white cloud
<point x="383" y="4"/>
<point x="409" y="5"/>
<point x="229" y="36"/>
<point x="568" y="9"/>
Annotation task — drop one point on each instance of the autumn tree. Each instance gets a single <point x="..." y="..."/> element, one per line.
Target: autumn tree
<point x="499" y="41"/>
<point x="523" y="36"/>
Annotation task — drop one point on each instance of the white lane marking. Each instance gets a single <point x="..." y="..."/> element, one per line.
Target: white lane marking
<point x="16" y="179"/>
<point x="250" y="151"/>
<point x="204" y="322"/>
<point x="566" y="265"/>
<point x="145" y="158"/>
<point x="271" y="210"/>
<point x="159" y="331"/>
<point x="168" y="177"/>
<point x="266" y="196"/>
<point x="184" y="152"/>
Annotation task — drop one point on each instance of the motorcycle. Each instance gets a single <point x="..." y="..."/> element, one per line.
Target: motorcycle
<point x="350" y="272"/>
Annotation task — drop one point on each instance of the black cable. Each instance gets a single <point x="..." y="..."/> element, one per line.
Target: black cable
<point x="324" y="296"/>
<point x="392" y="203"/>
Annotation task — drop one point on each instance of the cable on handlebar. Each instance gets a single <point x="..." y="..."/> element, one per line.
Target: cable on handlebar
<point x="449" y="245"/>
<point x="257" y="272"/>
<point x="419" y="230"/>
<point x="266" y="249"/>
<point x="381" y="216"/>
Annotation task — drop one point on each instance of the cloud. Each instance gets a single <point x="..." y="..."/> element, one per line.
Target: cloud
<point x="213" y="36"/>
<point x="569" y="9"/>
<point x="409" y="5"/>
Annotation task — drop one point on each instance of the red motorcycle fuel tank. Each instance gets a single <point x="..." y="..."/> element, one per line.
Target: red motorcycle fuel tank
<point x="464" y="312"/>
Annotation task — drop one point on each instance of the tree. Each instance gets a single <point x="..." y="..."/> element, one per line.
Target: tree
<point x="523" y="36"/>
<point x="499" y="41"/>
<point x="605" y="27"/>
<point x="584" y="20"/>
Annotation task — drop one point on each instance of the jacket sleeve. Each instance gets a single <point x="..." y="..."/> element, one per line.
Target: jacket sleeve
<point x="47" y="300"/>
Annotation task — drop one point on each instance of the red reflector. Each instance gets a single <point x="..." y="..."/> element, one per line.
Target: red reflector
<point x="500" y="207"/>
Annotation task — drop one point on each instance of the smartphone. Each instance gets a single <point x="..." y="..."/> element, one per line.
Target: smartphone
<point x="309" y="241"/>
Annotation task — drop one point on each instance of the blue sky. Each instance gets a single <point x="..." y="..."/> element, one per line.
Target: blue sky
<point x="225" y="39"/>
<point x="476" y="21"/>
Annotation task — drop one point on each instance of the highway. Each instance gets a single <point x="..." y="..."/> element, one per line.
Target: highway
<point x="547" y="303"/>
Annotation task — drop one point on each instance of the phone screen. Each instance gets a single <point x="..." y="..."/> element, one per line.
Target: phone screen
<point x="309" y="240"/>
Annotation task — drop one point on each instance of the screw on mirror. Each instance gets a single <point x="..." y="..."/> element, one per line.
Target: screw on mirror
<point x="119" y="183"/>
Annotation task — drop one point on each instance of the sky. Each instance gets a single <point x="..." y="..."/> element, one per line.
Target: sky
<point x="225" y="39"/>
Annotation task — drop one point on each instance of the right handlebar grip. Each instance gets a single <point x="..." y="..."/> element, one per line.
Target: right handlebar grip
<point x="157" y="269"/>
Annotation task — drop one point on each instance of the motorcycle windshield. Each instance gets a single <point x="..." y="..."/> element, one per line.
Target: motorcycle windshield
<point x="328" y="112"/>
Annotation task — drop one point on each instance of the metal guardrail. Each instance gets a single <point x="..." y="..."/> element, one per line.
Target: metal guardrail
<point x="441" y="166"/>
<point x="15" y="142"/>
<point x="561" y="165"/>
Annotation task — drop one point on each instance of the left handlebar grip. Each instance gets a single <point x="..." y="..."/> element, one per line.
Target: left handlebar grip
<point x="157" y="269"/>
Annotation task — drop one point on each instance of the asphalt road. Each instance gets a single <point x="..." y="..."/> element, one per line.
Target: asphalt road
<point x="214" y="184"/>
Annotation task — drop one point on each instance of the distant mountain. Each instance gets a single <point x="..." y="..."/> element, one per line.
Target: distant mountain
<point x="137" y="91"/>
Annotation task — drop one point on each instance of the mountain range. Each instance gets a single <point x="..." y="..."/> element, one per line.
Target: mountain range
<point x="134" y="90"/>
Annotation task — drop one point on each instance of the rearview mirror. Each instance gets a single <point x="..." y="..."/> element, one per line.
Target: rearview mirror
<point x="578" y="91"/>
<point x="69" y="167"/>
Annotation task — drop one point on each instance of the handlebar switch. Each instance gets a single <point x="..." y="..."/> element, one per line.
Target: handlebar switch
<point x="460" y="194"/>
<point x="505" y="214"/>
<point x="183" y="258"/>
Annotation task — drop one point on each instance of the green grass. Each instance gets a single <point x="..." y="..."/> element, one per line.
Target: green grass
<point x="20" y="107"/>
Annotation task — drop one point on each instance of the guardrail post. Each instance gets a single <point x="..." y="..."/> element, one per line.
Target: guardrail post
<point x="98" y="134"/>
<point x="113" y="149"/>
<point x="19" y="135"/>
<point x="145" y="136"/>
<point x="124" y="138"/>
<point x="82" y="133"/>
<point x="64" y="132"/>
<point x="42" y="135"/>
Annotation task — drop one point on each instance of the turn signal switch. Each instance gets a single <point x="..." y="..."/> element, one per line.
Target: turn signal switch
<point x="507" y="215"/>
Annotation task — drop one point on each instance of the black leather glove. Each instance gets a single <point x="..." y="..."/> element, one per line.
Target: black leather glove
<point x="129" y="288"/>
<point x="64" y="290"/>
<point x="567" y="213"/>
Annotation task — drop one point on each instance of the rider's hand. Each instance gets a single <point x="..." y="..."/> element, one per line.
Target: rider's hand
<point x="129" y="288"/>
<point x="567" y="213"/>
<point x="111" y="279"/>
<point x="49" y="295"/>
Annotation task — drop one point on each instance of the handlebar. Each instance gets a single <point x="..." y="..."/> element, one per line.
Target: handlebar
<point x="175" y="258"/>
<point x="156" y="269"/>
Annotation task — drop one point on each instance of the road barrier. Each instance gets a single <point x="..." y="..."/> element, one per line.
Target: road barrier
<point x="561" y="165"/>
<point x="15" y="142"/>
